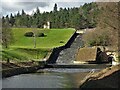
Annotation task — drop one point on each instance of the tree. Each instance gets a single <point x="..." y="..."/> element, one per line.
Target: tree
<point x="37" y="11"/>
<point x="17" y="20"/>
<point x="23" y="12"/>
<point x="12" y="20"/>
<point x="7" y="37"/>
<point x="38" y="18"/>
<point x="7" y="19"/>
<point x="18" y="14"/>
<point x="83" y="16"/>
<point x="3" y="19"/>
<point x="24" y="19"/>
<point x="55" y="7"/>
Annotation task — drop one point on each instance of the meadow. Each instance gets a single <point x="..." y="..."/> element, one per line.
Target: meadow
<point x="52" y="38"/>
<point x="22" y="47"/>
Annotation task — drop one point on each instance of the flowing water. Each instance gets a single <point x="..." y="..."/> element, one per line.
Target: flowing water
<point x="50" y="78"/>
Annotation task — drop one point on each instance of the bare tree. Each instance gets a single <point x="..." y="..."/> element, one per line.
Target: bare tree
<point x="7" y="36"/>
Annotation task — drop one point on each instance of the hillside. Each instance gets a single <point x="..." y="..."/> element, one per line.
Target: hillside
<point x="109" y="19"/>
<point x="22" y="47"/>
<point x="52" y="37"/>
<point x="107" y="30"/>
<point x="105" y="34"/>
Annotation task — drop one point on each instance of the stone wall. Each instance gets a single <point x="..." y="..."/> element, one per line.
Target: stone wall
<point x="86" y="54"/>
<point x="19" y="70"/>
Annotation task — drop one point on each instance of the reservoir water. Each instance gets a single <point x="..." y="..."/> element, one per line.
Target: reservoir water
<point x="49" y="78"/>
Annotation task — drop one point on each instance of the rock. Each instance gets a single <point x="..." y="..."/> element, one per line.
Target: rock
<point x="106" y="78"/>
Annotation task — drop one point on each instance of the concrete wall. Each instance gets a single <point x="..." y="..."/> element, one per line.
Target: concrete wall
<point x="55" y="53"/>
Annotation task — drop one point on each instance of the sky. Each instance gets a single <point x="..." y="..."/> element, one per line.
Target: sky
<point x="13" y="6"/>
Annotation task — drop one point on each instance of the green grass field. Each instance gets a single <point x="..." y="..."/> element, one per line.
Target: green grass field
<point x="24" y="54"/>
<point x="22" y="48"/>
<point x="51" y="40"/>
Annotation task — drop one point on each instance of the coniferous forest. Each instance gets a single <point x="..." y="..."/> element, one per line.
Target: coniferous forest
<point x="76" y="17"/>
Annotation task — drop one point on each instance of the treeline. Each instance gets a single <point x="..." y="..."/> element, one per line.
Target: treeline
<point x="77" y="17"/>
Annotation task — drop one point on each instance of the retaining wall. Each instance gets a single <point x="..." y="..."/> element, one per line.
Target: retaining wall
<point x="19" y="70"/>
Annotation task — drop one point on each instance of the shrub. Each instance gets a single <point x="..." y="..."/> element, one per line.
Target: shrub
<point x="61" y="41"/>
<point x="99" y="37"/>
<point x="29" y="34"/>
<point x="40" y="35"/>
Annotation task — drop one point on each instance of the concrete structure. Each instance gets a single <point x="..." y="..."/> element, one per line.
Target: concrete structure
<point x="80" y="31"/>
<point x="68" y="55"/>
<point x="86" y="54"/>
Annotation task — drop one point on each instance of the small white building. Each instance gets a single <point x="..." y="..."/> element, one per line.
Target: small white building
<point x="47" y="25"/>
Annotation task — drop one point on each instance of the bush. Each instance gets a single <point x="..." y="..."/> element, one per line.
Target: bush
<point x="29" y="34"/>
<point x="40" y="35"/>
<point x="61" y="41"/>
<point x="99" y="37"/>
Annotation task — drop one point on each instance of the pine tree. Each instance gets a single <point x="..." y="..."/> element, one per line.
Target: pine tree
<point x="37" y="11"/>
<point x="3" y="19"/>
<point x="23" y="12"/>
<point x="23" y="20"/>
<point x="84" y="16"/>
<point x="55" y="8"/>
<point x="7" y="19"/>
<point x="18" y="14"/>
<point x="12" y="20"/>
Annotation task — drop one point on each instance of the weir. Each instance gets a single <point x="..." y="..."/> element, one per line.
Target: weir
<point x="81" y="66"/>
<point x="63" y="57"/>
<point x="66" y="54"/>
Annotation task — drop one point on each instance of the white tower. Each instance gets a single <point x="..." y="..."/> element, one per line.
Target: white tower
<point x="48" y="25"/>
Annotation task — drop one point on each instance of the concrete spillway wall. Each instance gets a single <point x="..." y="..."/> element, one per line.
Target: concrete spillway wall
<point x="66" y="53"/>
<point x="56" y="51"/>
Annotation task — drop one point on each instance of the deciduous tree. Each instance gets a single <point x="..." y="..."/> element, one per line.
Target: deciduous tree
<point x="7" y="36"/>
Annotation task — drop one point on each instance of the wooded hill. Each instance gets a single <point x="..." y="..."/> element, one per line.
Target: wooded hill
<point x="106" y="32"/>
<point x="77" y="17"/>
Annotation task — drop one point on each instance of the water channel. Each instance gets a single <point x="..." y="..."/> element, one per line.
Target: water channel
<point x="52" y="77"/>
<point x="49" y="78"/>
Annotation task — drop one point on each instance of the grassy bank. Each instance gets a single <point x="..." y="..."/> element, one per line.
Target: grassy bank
<point x="52" y="38"/>
<point x="21" y="54"/>
<point x="22" y="47"/>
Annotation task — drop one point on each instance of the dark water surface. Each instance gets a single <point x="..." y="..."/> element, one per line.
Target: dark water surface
<point x="50" y="78"/>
